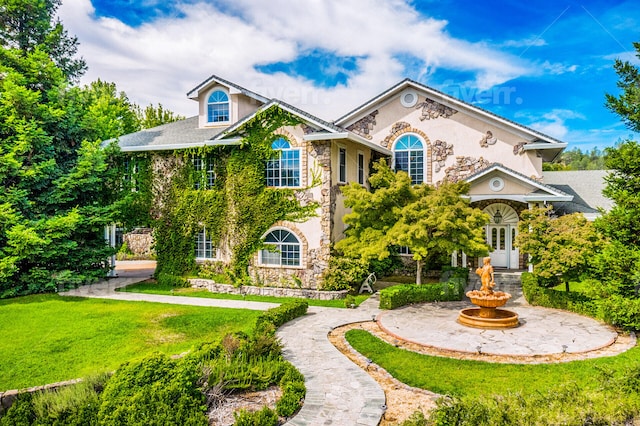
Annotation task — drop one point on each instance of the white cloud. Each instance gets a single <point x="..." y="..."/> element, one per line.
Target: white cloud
<point x="162" y="60"/>
<point x="534" y="41"/>
<point x="553" y="123"/>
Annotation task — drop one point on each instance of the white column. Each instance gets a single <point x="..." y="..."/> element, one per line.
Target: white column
<point x="530" y="267"/>
<point x="110" y="237"/>
<point x="454" y="259"/>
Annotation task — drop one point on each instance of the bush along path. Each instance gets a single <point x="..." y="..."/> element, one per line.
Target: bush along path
<point x="337" y="389"/>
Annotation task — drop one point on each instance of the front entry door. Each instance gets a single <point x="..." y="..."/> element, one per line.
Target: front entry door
<point x="499" y="238"/>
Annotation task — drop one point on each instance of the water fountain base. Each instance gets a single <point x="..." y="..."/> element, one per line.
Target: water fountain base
<point x="496" y="319"/>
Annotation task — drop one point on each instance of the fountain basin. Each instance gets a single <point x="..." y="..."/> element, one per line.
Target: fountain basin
<point x="489" y="318"/>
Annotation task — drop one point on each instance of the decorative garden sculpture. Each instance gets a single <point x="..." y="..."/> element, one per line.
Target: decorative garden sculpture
<point x="487" y="315"/>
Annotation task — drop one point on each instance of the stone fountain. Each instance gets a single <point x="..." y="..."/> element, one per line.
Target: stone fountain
<point x="487" y="315"/>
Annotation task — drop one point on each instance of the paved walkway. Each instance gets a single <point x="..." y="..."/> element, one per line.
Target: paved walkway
<point x="339" y="392"/>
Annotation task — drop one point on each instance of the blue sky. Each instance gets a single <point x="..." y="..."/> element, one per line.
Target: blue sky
<point x="544" y="64"/>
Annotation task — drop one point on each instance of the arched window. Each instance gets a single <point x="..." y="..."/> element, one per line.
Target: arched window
<point x="284" y="249"/>
<point x="284" y="168"/>
<point x="218" y="107"/>
<point x="409" y="157"/>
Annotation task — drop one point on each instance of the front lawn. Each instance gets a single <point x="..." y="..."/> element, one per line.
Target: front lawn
<point x="152" y="287"/>
<point x="49" y="338"/>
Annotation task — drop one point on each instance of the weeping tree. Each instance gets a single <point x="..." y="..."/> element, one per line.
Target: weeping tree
<point x="430" y="221"/>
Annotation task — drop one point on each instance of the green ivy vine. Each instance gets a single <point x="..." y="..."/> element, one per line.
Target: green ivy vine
<point x="236" y="211"/>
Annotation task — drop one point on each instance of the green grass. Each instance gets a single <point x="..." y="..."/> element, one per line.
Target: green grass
<point x="472" y="378"/>
<point x="49" y="338"/>
<point x="151" y="287"/>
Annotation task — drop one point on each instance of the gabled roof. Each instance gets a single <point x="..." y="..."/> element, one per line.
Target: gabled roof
<point x="540" y="193"/>
<point x="324" y="129"/>
<point x="541" y="141"/>
<point x="193" y="93"/>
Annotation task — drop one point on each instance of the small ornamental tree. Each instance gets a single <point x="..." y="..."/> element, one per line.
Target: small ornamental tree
<point x="561" y="247"/>
<point x="430" y="221"/>
<point x="440" y="221"/>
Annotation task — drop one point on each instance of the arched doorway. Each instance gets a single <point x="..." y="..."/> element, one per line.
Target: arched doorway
<point x="501" y="235"/>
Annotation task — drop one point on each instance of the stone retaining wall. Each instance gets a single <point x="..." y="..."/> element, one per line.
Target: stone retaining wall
<point x="9" y="397"/>
<point x="214" y="287"/>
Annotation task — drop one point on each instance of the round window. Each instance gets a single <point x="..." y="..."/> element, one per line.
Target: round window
<point x="409" y="98"/>
<point x="496" y="184"/>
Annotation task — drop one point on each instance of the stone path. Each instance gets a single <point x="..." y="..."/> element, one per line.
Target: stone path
<point x="338" y="391"/>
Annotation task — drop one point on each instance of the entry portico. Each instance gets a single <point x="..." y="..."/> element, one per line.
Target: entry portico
<point x="502" y="193"/>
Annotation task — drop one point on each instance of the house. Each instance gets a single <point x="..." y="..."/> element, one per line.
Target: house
<point x="428" y="134"/>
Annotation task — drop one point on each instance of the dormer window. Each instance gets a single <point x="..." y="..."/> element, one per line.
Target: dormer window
<point x="218" y="107"/>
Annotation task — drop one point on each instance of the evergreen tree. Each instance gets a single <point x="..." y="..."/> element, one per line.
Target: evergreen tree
<point x="27" y="25"/>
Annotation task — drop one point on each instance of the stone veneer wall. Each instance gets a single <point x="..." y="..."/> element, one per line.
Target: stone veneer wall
<point x="214" y="287"/>
<point x="139" y="241"/>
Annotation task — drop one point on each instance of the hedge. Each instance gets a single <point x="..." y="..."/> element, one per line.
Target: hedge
<point x="615" y="310"/>
<point x="282" y="314"/>
<point x="168" y="280"/>
<point x="401" y="295"/>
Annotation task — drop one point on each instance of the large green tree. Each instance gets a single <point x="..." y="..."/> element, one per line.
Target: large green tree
<point x="430" y="221"/>
<point x="59" y="186"/>
<point x="27" y="25"/>
<point x="618" y="265"/>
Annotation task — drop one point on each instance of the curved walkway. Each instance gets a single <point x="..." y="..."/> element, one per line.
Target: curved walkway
<point x="338" y="391"/>
<point x="341" y="393"/>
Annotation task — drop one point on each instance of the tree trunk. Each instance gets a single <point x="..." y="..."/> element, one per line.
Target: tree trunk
<point x="418" y="271"/>
<point x="566" y="286"/>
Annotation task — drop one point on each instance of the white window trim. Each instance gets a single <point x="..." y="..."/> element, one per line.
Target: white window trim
<point x="346" y="170"/>
<point x="216" y="257"/>
<point x="300" y="152"/>
<point x="424" y="154"/>
<point x="364" y="168"/>
<point x="206" y="107"/>
<point x="280" y="266"/>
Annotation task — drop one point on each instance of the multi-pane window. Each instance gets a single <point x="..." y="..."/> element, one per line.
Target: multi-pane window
<point x="404" y="250"/>
<point x="361" y="168"/>
<point x="204" y="247"/>
<point x="204" y="172"/>
<point x="284" y="168"/>
<point x="218" y="107"/>
<point x="409" y="157"/>
<point x="130" y="174"/>
<point x="342" y="165"/>
<point x="284" y="249"/>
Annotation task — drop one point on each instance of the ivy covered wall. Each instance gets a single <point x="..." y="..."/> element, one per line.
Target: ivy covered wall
<point x="238" y="208"/>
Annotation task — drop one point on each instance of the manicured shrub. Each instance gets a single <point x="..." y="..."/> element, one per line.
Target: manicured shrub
<point x="621" y="312"/>
<point x="401" y="295"/>
<point x="168" y="280"/>
<point x="154" y="391"/>
<point x="344" y="273"/>
<point x="293" y="391"/>
<point x="264" y="417"/>
<point x="282" y="314"/>
<point x="615" y="310"/>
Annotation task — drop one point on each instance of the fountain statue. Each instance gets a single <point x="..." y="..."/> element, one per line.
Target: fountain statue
<point x="487" y="315"/>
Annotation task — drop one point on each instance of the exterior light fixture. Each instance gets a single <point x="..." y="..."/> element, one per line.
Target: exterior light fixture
<point x="497" y="217"/>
